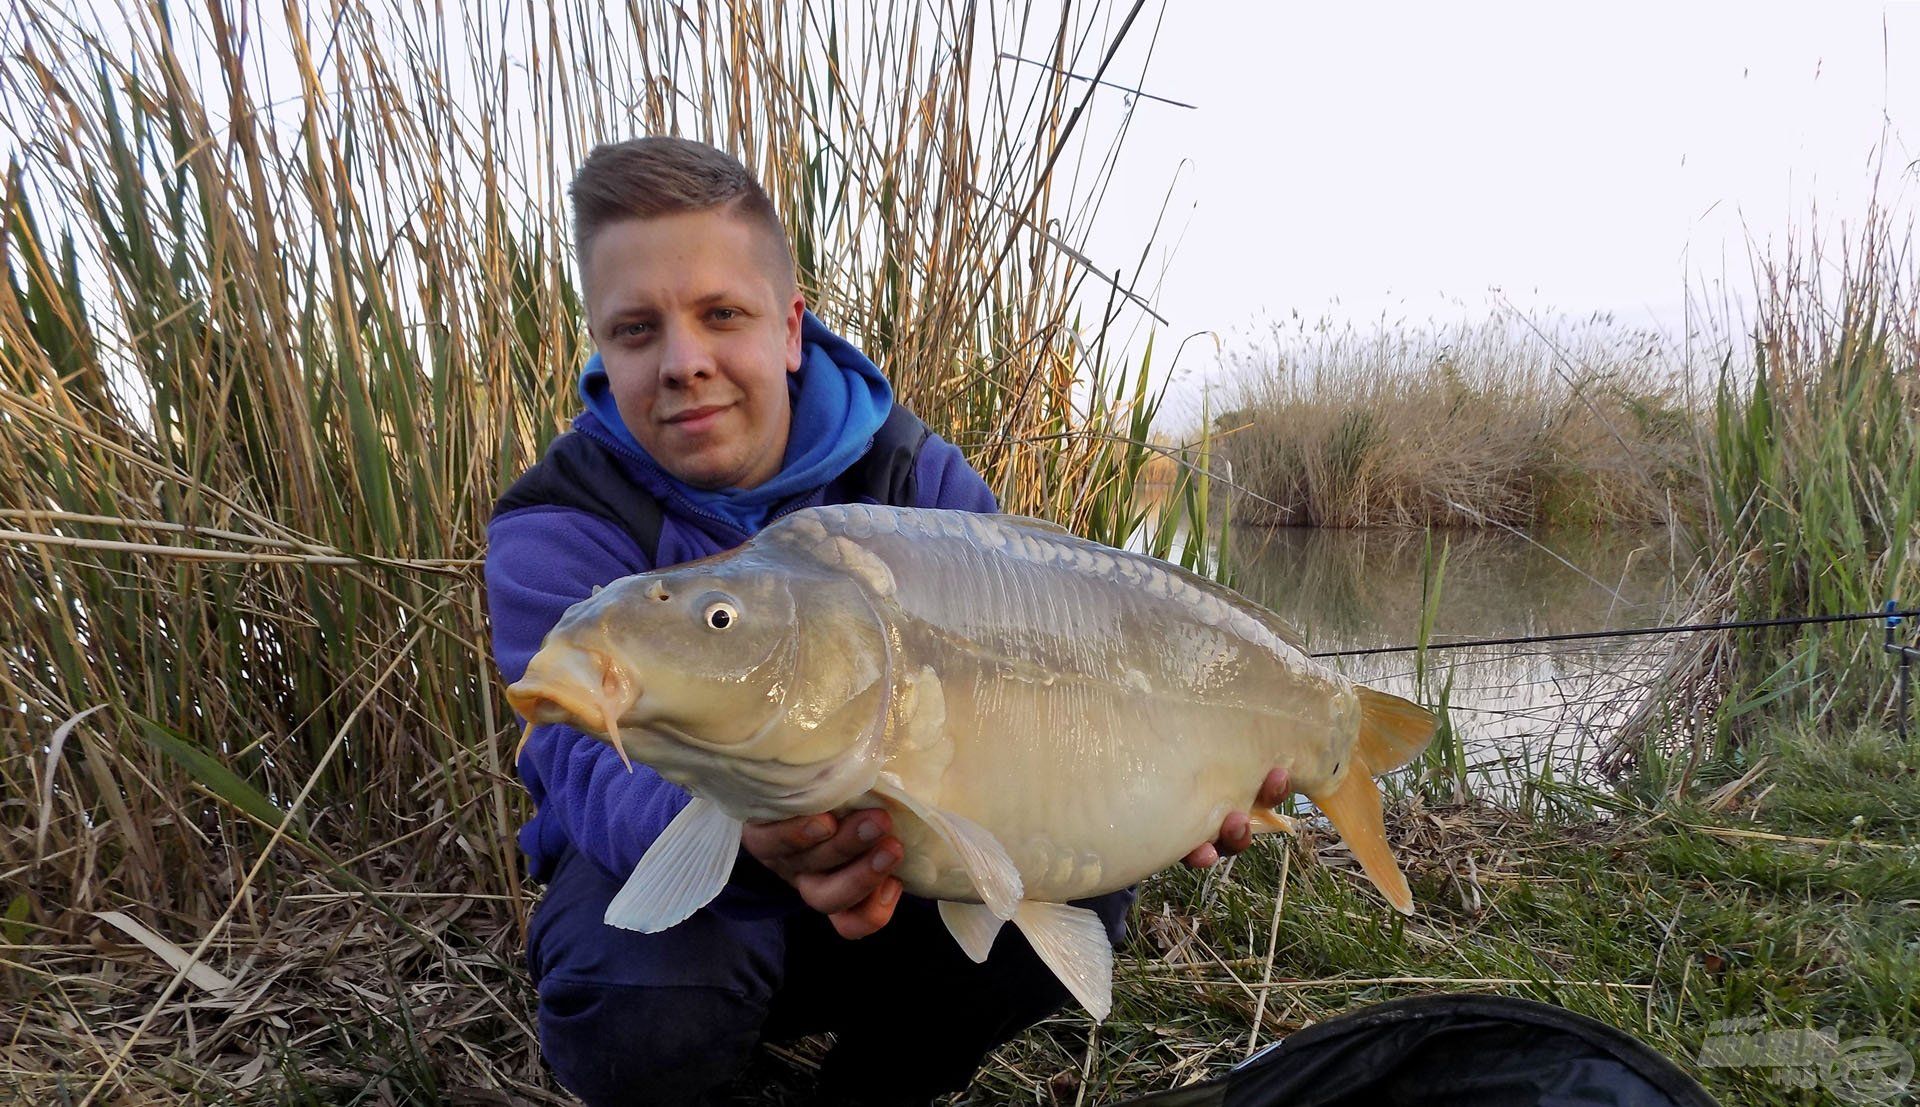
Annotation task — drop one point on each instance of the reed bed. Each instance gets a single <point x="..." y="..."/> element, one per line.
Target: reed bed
<point x="1812" y="507"/>
<point x="1488" y="423"/>
<point x="286" y="302"/>
<point x="1816" y="471"/>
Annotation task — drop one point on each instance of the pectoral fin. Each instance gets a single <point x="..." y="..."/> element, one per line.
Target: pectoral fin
<point x="1354" y="809"/>
<point x="1073" y="942"/>
<point x="1272" y="822"/>
<point x="684" y="869"/>
<point x="973" y="925"/>
<point x="992" y="871"/>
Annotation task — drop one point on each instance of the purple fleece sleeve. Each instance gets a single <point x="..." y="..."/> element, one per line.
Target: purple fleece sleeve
<point x="541" y="561"/>
<point x="943" y="478"/>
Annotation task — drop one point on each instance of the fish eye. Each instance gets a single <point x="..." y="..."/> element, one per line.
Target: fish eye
<point x="720" y="615"/>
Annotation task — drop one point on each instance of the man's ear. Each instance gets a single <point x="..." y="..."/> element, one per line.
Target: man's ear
<point x="796" y="313"/>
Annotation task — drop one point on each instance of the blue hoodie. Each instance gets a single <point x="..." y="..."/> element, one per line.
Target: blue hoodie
<point x="543" y="559"/>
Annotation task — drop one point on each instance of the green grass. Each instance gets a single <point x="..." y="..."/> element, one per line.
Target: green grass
<point x="1816" y="467"/>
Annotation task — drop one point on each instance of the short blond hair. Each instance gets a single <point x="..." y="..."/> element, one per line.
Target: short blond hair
<point x="643" y="178"/>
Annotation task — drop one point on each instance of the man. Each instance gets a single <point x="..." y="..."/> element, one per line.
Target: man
<point x="715" y="403"/>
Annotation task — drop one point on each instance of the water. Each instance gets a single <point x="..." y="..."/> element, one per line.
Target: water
<point x="1519" y="711"/>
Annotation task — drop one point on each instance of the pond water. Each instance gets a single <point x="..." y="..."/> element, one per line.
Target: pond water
<point x="1518" y="710"/>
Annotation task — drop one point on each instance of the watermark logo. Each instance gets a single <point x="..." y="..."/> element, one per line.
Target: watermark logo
<point x="1862" y="1070"/>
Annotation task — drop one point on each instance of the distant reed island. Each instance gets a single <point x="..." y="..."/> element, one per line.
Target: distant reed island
<point x="1495" y="423"/>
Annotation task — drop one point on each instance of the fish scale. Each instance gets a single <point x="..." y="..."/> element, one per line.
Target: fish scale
<point x="1045" y="718"/>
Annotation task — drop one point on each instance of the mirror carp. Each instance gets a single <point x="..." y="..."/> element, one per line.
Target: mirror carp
<point x="1044" y="717"/>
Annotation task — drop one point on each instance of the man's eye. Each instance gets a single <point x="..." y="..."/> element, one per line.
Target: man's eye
<point x="724" y="315"/>
<point x="629" y="330"/>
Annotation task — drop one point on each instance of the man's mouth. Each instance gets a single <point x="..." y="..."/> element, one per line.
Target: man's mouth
<point x="697" y="418"/>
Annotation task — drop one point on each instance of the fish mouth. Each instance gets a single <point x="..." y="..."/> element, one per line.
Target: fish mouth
<point x="575" y="686"/>
<point x="541" y="703"/>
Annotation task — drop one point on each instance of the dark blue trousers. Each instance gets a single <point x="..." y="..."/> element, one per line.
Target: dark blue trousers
<point x="671" y="1018"/>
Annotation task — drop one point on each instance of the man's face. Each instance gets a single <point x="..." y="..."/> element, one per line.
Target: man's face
<point x="698" y="329"/>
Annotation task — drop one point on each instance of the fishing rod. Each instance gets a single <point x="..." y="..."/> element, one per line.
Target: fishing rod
<point x="1889" y="613"/>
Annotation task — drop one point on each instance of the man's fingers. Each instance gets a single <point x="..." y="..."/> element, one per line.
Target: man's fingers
<point x="857" y="834"/>
<point x="1235" y="833"/>
<point x="1274" y="789"/>
<point x="1202" y="857"/>
<point x="871" y="914"/>
<point x="780" y="841"/>
<point x="849" y="885"/>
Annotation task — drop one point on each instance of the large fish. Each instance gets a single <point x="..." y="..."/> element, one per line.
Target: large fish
<point x="1045" y="718"/>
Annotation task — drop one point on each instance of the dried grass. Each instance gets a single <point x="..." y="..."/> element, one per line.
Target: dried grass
<point x="1487" y="424"/>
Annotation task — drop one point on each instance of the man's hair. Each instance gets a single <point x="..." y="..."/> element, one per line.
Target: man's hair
<point x="659" y="175"/>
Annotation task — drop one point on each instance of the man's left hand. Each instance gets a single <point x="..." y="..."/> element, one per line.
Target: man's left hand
<point x="1235" y="834"/>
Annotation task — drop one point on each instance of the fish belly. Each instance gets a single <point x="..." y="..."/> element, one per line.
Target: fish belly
<point x="1089" y="788"/>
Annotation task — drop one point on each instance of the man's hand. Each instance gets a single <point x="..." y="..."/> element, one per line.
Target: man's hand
<point x="1235" y="834"/>
<point x="839" y="867"/>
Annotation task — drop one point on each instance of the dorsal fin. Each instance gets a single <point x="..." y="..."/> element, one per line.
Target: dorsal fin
<point x="1273" y="623"/>
<point x="1032" y="523"/>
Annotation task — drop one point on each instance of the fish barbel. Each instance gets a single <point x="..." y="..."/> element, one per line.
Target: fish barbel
<point x="1044" y="717"/>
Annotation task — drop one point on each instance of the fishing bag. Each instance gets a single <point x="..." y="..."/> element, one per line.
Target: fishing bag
<point x="1449" y="1051"/>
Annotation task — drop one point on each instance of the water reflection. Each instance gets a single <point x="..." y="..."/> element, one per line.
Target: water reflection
<point x="1516" y="708"/>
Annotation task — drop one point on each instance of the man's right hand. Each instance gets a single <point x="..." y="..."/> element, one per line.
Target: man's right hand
<point x="839" y="867"/>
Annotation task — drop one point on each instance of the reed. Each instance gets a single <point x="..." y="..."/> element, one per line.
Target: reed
<point x="284" y="306"/>
<point x="1816" y="473"/>
<point x="1812" y="501"/>
<point x="1490" y="423"/>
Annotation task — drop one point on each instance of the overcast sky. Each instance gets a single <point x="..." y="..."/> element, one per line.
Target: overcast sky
<point x="1347" y="160"/>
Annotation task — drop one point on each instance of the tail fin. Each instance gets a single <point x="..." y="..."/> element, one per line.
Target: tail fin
<point x="1354" y="808"/>
<point x="1393" y="731"/>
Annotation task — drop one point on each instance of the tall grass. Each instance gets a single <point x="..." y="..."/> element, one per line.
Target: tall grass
<point x="284" y="303"/>
<point x="1812" y="507"/>
<point x="1487" y="423"/>
<point x="1816" y="474"/>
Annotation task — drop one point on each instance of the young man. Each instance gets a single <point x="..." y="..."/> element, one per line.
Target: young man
<point x="715" y="403"/>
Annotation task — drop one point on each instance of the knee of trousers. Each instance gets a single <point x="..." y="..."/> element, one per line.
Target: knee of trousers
<point x="636" y="1045"/>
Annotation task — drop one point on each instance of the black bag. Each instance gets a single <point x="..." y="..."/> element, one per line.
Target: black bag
<point x="1450" y="1051"/>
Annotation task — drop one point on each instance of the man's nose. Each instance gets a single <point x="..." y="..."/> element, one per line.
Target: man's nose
<point x="684" y="355"/>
